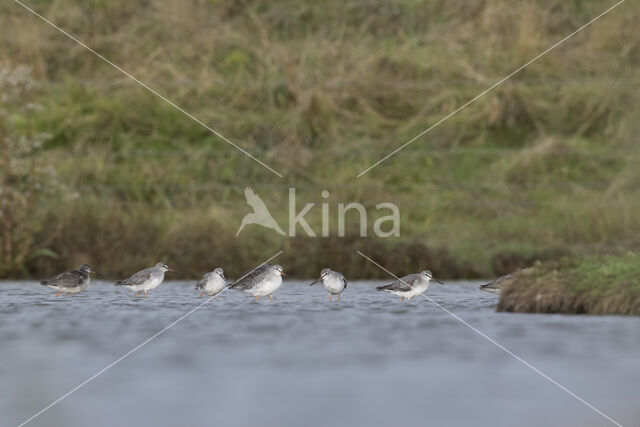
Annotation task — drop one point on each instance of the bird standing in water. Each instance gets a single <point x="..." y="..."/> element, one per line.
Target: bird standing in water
<point x="247" y="279"/>
<point x="260" y="282"/>
<point x="212" y="283"/>
<point x="410" y="285"/>
<point x="70" y="282"/>
<point x="332" y="281"/>
<point x="147" y="279"/>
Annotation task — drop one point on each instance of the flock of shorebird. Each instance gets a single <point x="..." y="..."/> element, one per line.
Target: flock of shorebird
<point x="261" y="281"/>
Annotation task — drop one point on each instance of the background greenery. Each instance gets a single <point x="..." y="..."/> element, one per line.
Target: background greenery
<point x="546" y="164"/>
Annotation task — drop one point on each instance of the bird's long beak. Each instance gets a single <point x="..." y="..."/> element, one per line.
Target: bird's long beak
<point x="436" y="280"/>
<point x="174" y="271"/>
<point x="93" y="272"/>
<point x="282" y="274"/>
<point x="223" y="277"/>
<point x="315" y="281"/>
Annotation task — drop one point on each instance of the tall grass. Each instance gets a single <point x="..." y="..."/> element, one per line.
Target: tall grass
<point x="584" y="285"/>
<point x="547" y="163"/>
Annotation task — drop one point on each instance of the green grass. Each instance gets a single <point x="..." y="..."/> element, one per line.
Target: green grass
<point x="544" y="165"/>
<point x="582" y="285"/>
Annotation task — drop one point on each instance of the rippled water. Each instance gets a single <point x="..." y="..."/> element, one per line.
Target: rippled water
<point x="298" y="360"/>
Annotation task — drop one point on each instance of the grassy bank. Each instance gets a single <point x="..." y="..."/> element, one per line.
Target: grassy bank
<point x="585" y="285"/>
<point x="546" y="164"/>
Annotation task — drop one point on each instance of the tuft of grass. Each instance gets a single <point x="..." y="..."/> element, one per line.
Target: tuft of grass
<point x="579" y="285"/>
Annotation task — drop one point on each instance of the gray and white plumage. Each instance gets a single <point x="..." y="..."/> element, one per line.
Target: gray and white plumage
<point x="70" y="282"/>
<point x="495" y="287"/>
<point x="333" y="281"/>
<point x="263" y="281"/>
<point x="248" y="279"/>
<point x="410" y="285"/>
<point x="147" y="279"/>
<point x="498" y="285"/>
<point x="212" y="283"/>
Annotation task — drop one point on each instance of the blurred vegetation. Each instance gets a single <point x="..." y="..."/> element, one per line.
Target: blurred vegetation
<point x="546" y="164"/>
<point x="22" y="175"/>
<point x="580" y="285"/>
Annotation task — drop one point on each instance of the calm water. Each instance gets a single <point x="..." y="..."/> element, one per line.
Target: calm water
<point x="368" y="360"/>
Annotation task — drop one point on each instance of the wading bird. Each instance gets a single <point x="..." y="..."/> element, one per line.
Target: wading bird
<point x="496" y="286"/>
<point x="332" y="281"/>
<point x="261" y="282"/>
<point x="410" y="285"/>
<point x="246" y="280"/>
<point x="147" y="279"/>
<point x="212" y="283"/>
<point x="502" y="282"/>
<point x="70" y="282"/>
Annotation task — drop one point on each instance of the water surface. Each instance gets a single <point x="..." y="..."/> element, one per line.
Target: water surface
<point x="298" y="360"/>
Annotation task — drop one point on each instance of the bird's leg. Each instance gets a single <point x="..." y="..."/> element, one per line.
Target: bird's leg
<point x="202" y="293"/>
<point x="338" y="297"/>
<point x="401" y="299"/>
<point x="58" y="294"/>
<point x="250" y="294"/>
<point x="257" y="298"/>
<point x="145" y="294"/>
<point x="271" y="297"/>
<point x="138" y="294"/>
<point x="329" y="297"/>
